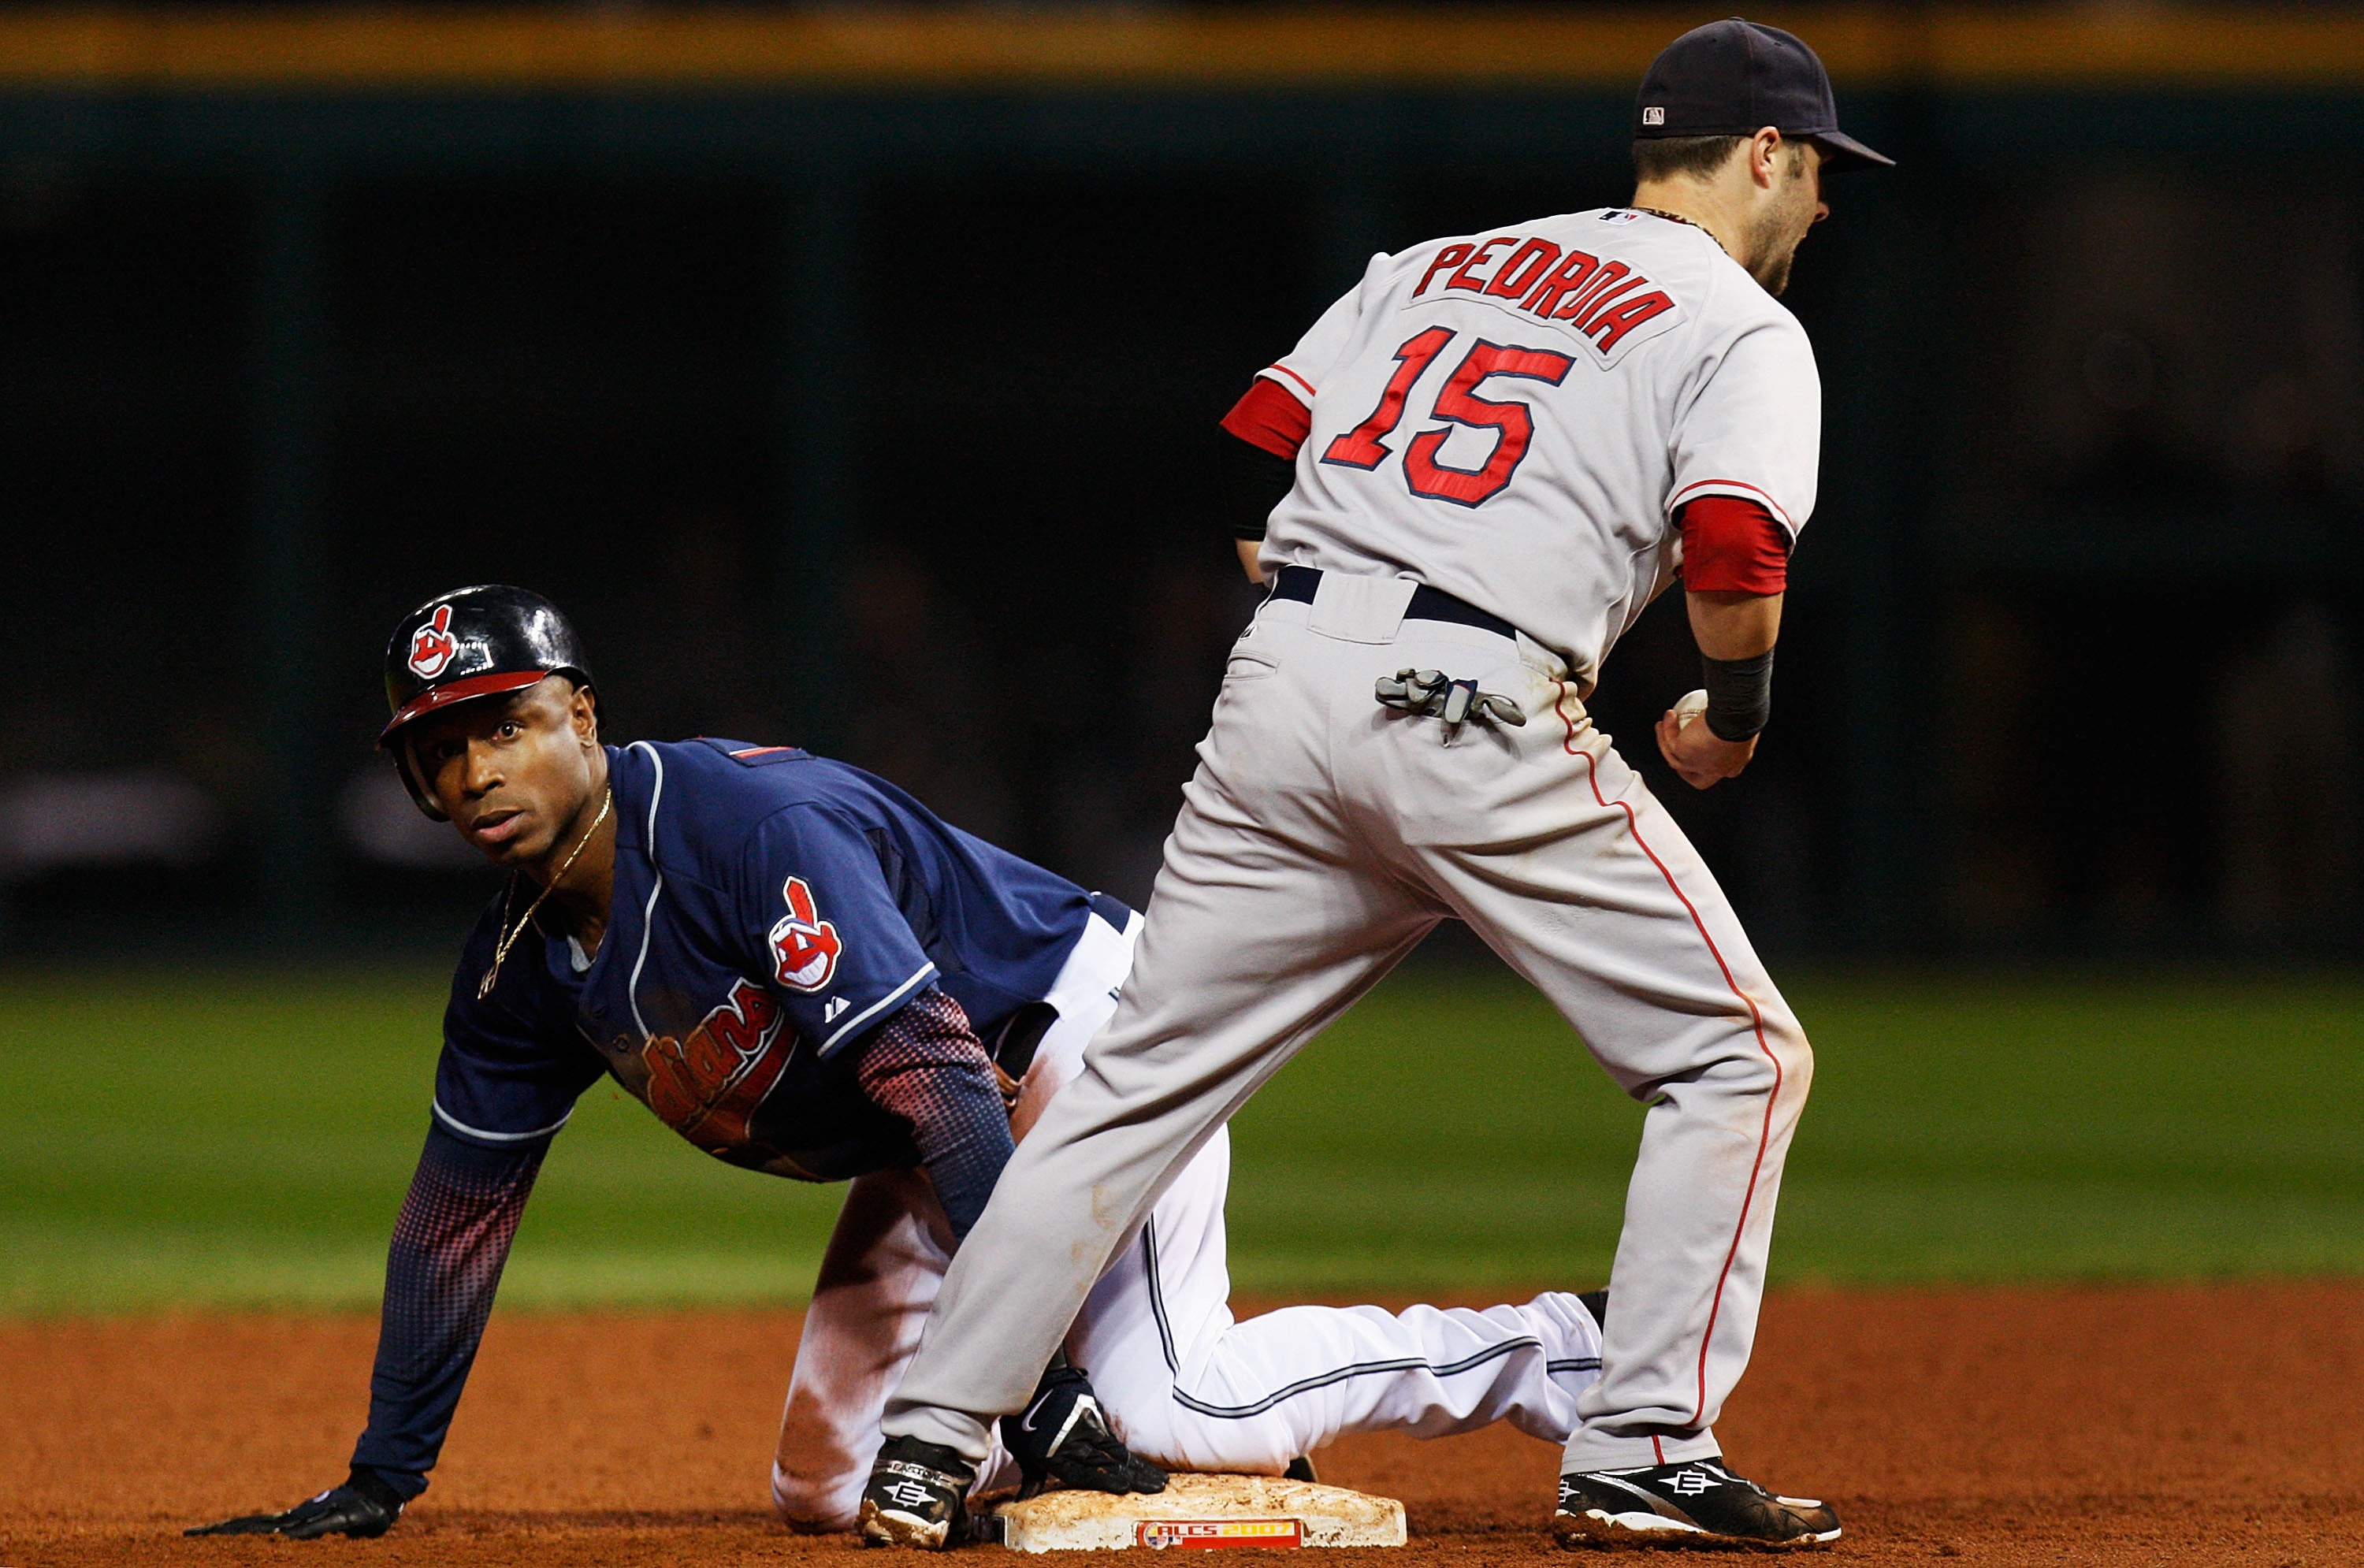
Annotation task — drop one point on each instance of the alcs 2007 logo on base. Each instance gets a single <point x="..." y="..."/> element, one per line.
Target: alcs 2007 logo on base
<point x="1202" y="1534"/>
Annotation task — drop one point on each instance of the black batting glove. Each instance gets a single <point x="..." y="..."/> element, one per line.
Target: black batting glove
<point x="364" y="1506"/>
<point x="1063" y="1436"/>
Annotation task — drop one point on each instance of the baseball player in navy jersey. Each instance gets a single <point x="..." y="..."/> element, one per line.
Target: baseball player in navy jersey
<point x="1493" y="454"/>
<point x="804" y="972"/>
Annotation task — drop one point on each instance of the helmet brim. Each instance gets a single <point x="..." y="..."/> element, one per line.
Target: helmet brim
<point x="450" y="692"/>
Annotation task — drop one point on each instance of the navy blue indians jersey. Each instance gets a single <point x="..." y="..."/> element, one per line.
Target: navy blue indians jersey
<point x="799" y="964"/>
<point x="769" y="907"/>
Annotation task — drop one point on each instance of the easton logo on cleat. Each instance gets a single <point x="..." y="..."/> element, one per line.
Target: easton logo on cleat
<point x="804" y="946"/>
<point x="1689" y="1482"/>
<point x="917" y="1471"/>
<point x="910" y="1494"/>
<point x="432" y="645"/>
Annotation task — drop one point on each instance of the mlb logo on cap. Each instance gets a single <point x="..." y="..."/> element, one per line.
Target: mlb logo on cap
<point x="1653" y="115"/>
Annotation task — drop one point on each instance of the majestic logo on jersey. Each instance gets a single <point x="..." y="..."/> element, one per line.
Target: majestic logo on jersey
<point x="707" y="1087"/>
<point x="804" y="946"/>
<point x="1604" y="301"/>
<point x="432" y="645"/>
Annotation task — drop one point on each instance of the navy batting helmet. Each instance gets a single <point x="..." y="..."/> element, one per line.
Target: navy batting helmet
<point x="471" y="642"/>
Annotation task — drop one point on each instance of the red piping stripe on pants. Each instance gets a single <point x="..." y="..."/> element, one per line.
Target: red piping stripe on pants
<point x="1757" y="1023"/>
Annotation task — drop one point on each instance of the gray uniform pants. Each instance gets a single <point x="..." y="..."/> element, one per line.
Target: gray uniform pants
<point x="1322" y="836"/>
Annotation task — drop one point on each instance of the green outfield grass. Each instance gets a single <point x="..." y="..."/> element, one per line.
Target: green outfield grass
<point x="189" y="1139"/>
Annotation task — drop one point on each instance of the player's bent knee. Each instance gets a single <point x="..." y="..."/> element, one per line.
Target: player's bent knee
<point x="1182" y="1439"/>
<point x="1796" y="1066"/>
<point x="815" y="1508"/>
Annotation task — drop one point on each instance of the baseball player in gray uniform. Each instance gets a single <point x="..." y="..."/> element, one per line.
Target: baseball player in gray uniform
<point x="1499" y="449"/>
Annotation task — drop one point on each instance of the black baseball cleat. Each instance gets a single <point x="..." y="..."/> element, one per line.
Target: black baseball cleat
<point x="915" y="1497"/>
<point x="1697" y="1505"/>
<point x="1063" y="1436"/>
<point x="365" y="1506"/>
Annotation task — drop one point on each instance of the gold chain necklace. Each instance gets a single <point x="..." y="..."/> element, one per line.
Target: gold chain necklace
<point x="501" y="948"/>
<point x="1678" y="217"/>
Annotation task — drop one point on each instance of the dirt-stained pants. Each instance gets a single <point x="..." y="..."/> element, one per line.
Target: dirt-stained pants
<point x="1182" y="1382"/>
<point x="1320" y="838"/>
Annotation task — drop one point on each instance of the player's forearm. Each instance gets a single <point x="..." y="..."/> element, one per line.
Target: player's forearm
<point x="442" y="1268"/>
<point x="926" y="1065"/>
<point x="1728" y="625"/>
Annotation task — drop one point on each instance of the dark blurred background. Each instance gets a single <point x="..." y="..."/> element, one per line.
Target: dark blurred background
<point x="851" y="376"/>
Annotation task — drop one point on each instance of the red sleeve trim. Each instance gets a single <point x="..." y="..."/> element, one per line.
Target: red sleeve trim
<point x="1269" y="416"/>
<point x="1283" y="370"/>
<point x="1696" y="485"/>
<point x="1732" y="545"/>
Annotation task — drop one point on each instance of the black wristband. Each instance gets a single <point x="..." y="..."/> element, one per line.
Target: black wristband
<point x="1739" y="694"/>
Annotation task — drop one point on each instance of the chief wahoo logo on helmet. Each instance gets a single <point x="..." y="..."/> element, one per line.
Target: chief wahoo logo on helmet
<point x="432" y="645"/>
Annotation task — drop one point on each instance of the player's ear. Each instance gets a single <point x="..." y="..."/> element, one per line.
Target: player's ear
<point x="586" y="715"/>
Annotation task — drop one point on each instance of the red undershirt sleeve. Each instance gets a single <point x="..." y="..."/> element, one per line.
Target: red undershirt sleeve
<point x="1732" y="545"/>
<point x="1269" y="417"/>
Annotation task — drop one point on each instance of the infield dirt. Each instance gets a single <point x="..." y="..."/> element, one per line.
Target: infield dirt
<point x="2088" y="1426"/>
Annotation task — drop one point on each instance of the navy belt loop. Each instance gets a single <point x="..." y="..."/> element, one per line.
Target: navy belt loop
<point x="1299" y="583"/>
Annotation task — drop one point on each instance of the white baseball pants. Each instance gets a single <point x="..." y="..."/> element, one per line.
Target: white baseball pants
<point x="1182" y="1382"/>
<point x="1320" y="838"/>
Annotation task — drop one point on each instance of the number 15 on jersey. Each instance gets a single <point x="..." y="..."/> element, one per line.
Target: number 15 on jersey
<point x="1456" y="402"/>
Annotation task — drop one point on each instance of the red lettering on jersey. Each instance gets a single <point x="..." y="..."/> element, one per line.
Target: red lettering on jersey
<point x="1527" y="263"/>
<point x="1459" y="402"/>
<point x="1623" y="317"/>
<point x="804" y="946"/>
<point x="1360" y="447"/>
<point x="709" y="1086"/>
<point x="1575" y="271"/>
<point x="1583" y="300"/>
<point x="1462" y="280"/>
<point x="1450" y="256"/>
<point x="1598" y="306"/>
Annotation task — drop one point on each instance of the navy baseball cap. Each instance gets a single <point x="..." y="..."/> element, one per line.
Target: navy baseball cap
<point x="1734" y="78"/>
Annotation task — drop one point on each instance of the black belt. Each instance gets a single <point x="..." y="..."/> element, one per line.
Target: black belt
<point x="1299" y="582"/>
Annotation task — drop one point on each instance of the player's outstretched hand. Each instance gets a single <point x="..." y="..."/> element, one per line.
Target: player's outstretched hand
<point x="363" y="1505"/>
<point x="1700" y="757"/>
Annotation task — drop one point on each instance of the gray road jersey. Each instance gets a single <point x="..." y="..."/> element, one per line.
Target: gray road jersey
<point x="1514" y="415"/>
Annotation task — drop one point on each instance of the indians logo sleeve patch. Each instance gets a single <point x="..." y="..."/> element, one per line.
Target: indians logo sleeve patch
<point x="804" y="946"/>
<point x="432" y="645"/>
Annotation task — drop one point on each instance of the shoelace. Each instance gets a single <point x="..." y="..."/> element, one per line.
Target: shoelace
<point x="1431" y="694"/>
